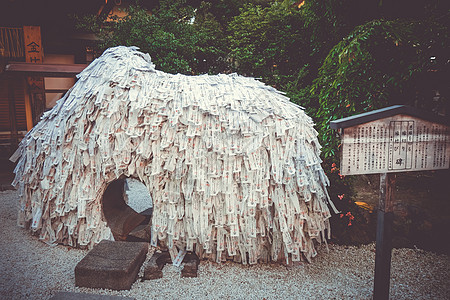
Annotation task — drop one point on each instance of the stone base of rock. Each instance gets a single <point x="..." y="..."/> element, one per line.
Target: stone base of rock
<point x="191" y="262"/>
<point x="111" y="265"/>
<point x="153" y="268"/>
<point x="148" y="213"/>
<point x="84" y="296"/>
<point x="141" y="233"/>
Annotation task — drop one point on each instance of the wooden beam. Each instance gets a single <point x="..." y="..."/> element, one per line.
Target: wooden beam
<point x="28" y="110"/>
<point x="46" y="70"/>
<point x="12" y="115"/>
<point x="56" y="91"/>
<point x="386" y="113"/>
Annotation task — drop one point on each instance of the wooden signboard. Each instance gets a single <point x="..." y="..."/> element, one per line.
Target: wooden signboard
<point x="34" y="54"/>
<point x="33" y="44"/>
<point x="394" y="139"/>
<point x="395" y="144"/>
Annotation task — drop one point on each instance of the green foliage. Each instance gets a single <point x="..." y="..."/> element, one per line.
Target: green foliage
<point x="222" y="10"/>
<point x="213" y="57"/>
<point x="267" y="42"/>
<point x="378" y="64"/>
<point x="175" y="44"/>
<point x="165" y="34"/>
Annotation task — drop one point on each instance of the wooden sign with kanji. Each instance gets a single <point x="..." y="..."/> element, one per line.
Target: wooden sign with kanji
<point x="394" y="139"/>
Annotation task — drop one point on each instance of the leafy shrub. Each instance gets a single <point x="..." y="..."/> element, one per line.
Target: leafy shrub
<point x="378" y="64"/>
<point x="167" y="34"/>
<point x="267" y="42"/>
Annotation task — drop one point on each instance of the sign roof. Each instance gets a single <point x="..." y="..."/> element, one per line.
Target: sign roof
<point x="386" y="113"/>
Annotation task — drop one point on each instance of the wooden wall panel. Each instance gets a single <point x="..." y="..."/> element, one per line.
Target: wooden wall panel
<point x="18" y="88"/>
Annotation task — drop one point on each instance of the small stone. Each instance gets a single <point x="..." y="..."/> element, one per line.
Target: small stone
<point x="153" y="268"/>
<point x="191" y="262"/>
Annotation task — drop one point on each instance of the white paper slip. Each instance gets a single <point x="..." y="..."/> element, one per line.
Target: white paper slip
<point x="36" y="218"/>
<point x="179" y="258"/>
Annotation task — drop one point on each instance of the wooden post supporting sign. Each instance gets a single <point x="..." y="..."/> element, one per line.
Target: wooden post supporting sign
<point x="384" y="237"/>
<point x="386" y="141"/>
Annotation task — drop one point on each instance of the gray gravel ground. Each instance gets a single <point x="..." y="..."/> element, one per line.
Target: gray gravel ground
<point x="30" y="269"/>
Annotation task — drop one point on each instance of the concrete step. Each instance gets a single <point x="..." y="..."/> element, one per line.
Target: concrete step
<point x="111" y="265"/>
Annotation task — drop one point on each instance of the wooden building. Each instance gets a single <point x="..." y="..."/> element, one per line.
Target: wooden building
<point x="30" y="82"/>
<point x="40" y="54"/>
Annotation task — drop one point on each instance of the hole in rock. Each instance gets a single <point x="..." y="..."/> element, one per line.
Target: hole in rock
<point x="136" y="195"/>
<point x="128" y="208"/>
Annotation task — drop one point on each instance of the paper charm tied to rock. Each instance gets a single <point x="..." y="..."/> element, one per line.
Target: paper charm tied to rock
<point x="232" y="165"/>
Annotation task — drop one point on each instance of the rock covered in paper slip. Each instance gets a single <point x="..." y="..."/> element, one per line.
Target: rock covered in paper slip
<point x="232" y="165"/>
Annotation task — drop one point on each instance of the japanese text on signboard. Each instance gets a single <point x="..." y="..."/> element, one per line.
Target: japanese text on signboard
<point x="396" y="144"/>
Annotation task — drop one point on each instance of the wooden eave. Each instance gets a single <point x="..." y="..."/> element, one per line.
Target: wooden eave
<point x="45" y="70"/>
<point x="386" y="113"/>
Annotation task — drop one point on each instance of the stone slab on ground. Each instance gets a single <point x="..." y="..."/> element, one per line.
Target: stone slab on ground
<point x="111" y="265"/>
<point x="84" y="296"/>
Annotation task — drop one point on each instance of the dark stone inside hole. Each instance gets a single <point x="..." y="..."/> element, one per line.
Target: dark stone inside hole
<point x="125" y="223"/>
